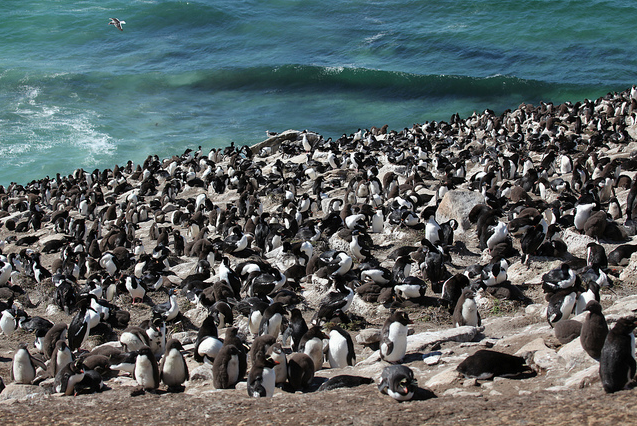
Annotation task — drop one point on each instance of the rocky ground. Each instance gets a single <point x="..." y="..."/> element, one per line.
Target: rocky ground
<point x="564" y="386"/>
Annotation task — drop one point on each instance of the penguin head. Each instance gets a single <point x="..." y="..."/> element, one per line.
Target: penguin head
<point x="401" y="317"/>
<point x="174" y="344"/>
<point x="594" y="307"/>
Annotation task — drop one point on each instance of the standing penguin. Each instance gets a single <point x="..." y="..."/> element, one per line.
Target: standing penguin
<point x="207" y="345"/>
<point x="594" y="330"/>
<point x="173" y="369"/>
<point x="24" y="365"/>
<point x="617" y="362"/>
<point x="262" y="378"/>
<point x="281" y="368"/>
<point x="398" y="381"/>
<point x="393" y="343"/>
<point x="466" y="312"/>
<point x="229" y="367"/>
<point x="300" y="371"/>
<point x="340" y="352"/>
<point x="61" y="357"/>
<point x="312" y="345"/>
<point x="272" y="318"/>
<point x="55" y="333"/>
<point x="146" y="371"/>
<point x="68" y="377"/>
<point x="297" y="327"/>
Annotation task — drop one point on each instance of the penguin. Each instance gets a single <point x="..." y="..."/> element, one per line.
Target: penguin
<point x="207" y="345"/>
<point x="281" y="368"/>
<point x="560" y="305"/>
<point x="173" y="369"/>
<point x="617" y="361"/>
<point x="68" y="377"/>
<point x="62" y="356"/>
<point x="312" y="345"/>
<point x="262" y="378"/>
<point x="272" y="318"/>
<point x="596" y="256"/>
<point x="168" y="310"/>
<point x="560" y="278"/>
<point x="8" y="322"/>
<point x="229" y="367"/>
<point x="485" y="364"/>
<point x="91" y="383"/>
<point x="398" y="381"/>
<point x="146" y="371"/>
<point x="340" y="351"/>
<point x="79" y="327"/>
<point x="410" y="288"/>
<point x="261" y="344"/>
<point x="300" y="371"/>
<point x="23" y="366"/>
<point x="568" y="330"/>
<point x="393" y="343"/>
<point x="55" y="333"/>
<point x="135" y="288"/>
<point x="298" y="328"/>
<point x="594" y="330"/>
<point x="344" y="381"/>
<point x="134" y="338"/>
<point x="495" y="272"/>
<point x="466" y="311"/>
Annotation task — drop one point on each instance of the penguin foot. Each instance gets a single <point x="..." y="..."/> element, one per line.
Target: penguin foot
<point x="138" y="391"/>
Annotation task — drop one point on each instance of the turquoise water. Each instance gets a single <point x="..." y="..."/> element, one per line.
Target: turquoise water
<point x="76" y="92"/>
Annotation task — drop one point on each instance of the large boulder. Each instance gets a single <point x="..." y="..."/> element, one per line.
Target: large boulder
<point x="456" y="205"/>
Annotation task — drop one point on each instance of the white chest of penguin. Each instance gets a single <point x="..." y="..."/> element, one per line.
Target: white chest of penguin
<point x="398" y="336"/>
<point x="470" y="312"/>
<point x="23" y="371"/>
<point x="268" y="382"/>
<point x="174" y="370"/>
<point x="337" y="353"/>
<point x="233" y="369"/>
<point x="144" y="372"/>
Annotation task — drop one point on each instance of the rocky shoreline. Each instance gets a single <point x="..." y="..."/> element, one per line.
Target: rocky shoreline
<point x="431" y="173"/>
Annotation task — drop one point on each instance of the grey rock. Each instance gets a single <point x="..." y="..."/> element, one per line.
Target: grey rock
<point x="203" y="372"/>
<point x="456" y="205"/>
<point x="17" y="391"/>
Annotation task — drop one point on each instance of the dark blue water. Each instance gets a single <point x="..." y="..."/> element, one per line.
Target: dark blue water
<point x="76" y="92"/>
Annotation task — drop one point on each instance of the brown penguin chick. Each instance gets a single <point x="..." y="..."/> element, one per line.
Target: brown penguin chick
<point x="300" y="371"/>
<point x="596" y="224"/>
<point x="466" y="311"/>
<point x="229" y="367"/>
<point x="261" y="344"/>
<point x="55" y="333"/>
<point x="594" y="330"/>
<point x="567" y="330"/>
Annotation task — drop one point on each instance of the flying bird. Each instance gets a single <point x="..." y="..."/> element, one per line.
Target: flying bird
<point x="118" y="24"/>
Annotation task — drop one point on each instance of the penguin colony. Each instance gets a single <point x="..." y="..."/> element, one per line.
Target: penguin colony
<point x="261" y="225"/>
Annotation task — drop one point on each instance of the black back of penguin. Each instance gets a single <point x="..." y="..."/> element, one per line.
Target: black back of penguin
<point x="261" y="379"/>
<point x="594" y="330"/>
<point x="229" y="367"/>
<point x="398" y="381"/>
<point x="617" y="365"/>
<point x="485" y="364"/>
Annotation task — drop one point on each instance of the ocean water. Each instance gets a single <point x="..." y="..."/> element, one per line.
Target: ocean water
<point x="76" y="92"/>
